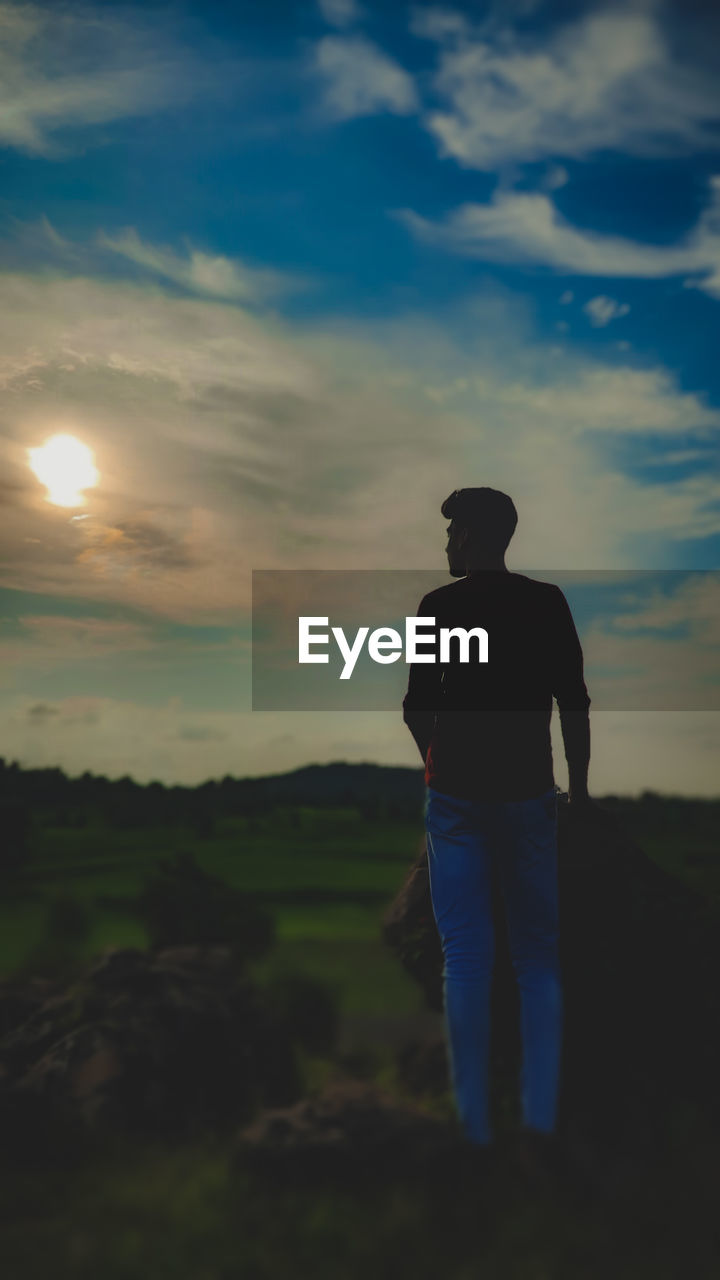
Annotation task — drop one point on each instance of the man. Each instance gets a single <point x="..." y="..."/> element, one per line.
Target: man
<point x="483" y="730"/>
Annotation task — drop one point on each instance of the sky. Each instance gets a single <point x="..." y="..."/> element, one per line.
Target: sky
<point x="292" y="273"/>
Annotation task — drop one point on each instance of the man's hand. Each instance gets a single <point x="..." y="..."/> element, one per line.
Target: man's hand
<point x="580" y="800"/>
<point x="580" y="805"/>
<point x="586" y="812"/>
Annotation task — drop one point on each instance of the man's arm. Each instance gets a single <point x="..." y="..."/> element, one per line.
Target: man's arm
<point x="575" y="727"/>
<point x="573" y="701"/>
<point x="424" y="693"/>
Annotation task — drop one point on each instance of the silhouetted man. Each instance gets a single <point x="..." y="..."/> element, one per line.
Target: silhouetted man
<point x="483" y="730"/>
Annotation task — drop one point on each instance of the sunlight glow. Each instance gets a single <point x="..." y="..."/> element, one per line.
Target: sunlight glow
<point x="65" y="466"/>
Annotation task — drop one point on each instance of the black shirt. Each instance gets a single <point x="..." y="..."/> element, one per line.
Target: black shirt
<point x="487" y="725"/>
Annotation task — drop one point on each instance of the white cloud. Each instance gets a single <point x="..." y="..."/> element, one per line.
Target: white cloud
<point x="116" y="737"/>
<point x="340" y="13"/>
<point x="655" y="646"/>
<point x="566" y="297"/>
<point x="79" y="637"/>
<point x="607" y="80"/>
<point x="213" y="275"/>
<point x="595" y="397"/>
<point x="228" y="440"/>
<point x="676" y="457"/>
<point x="433" y="23"/>
<point x="556" y="177"/>
<point x="517" y="227"/>
<point x="361" y="80"/>
<point x="63" y="70"/>
<point x="601" y="310"/>
<point x="693" y="603"/>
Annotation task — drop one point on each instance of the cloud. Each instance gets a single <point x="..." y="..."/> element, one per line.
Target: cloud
<point x="692" y="604"/>
<point x="228" y="440"/>
<point x="522" y="228"/>
<point x="47" y="641"/>
<point x="201" y="733"/>
<point x="71" y="713"/>
<point x="212" y="275"/>
<point x="431" y="23"/>
<point x="655" y="644"/>
<point x="556" y="177"/>
<point x="340" y="13"/>
<point x="602" y="310"/>
<point x="677" y="457"/>
<point x="116" y="737"/>
<point x="40" y="712"/>
<point x="83" y="636"/>
<point x="607" y="80"/>
<point x="594" y="397"/>
<point x="63" y="69"/>
<point x="361" y="80"/>
<point x="137" y="543"/>
<point x="674" y="751"/>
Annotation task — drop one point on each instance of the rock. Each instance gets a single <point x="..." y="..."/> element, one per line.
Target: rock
<point x="353" y="1128"/>
<point x="640" y="956"/>
<point x="409" y="929"/>
<point x="20" y="997"/>
<point x="422" y="1067"/>
<point x="156" y="1042"/>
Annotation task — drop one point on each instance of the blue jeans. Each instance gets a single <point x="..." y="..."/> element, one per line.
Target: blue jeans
<point x="464" y="839"/>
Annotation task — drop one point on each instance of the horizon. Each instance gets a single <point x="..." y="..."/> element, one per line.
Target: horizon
<point x="324" y="764"/>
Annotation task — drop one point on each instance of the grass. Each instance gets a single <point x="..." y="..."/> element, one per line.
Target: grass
<point x="365" y="975"/>
<point x="303" y="850"/>
<point x="336" y="942"/>
<point x="334" y="852"/>
<point x="186" y="1213"/>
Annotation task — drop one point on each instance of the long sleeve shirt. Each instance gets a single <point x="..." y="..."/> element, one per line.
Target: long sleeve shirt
<point x="484" y="728"/>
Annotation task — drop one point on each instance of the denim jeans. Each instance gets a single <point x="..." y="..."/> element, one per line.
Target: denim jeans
<point x="464" y="839"/>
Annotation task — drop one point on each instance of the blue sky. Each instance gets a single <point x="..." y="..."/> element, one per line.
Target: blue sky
<point x="295" y="271"/>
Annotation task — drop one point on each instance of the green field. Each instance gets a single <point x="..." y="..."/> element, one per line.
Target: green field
<point x="353" y="866"/>
<point x="325" y="874"/>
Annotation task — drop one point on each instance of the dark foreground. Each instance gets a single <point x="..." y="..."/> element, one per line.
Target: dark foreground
<point x="194" y="1211"/>
<point x="182" y="1108"/>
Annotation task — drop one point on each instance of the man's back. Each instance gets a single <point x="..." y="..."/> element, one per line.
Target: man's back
<point x="489" y="725"/>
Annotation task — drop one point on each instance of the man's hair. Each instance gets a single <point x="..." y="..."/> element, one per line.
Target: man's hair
<point x="488" y="515"/>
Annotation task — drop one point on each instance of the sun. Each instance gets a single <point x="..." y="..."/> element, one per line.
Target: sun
<point x="66" y="467"/>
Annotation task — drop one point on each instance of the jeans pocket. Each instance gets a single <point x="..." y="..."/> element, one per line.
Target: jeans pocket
<point x="446" y="815"/>
<point x="550" y="805"/>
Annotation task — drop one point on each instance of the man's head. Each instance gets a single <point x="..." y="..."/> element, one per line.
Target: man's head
<point x="482" y="522"/>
